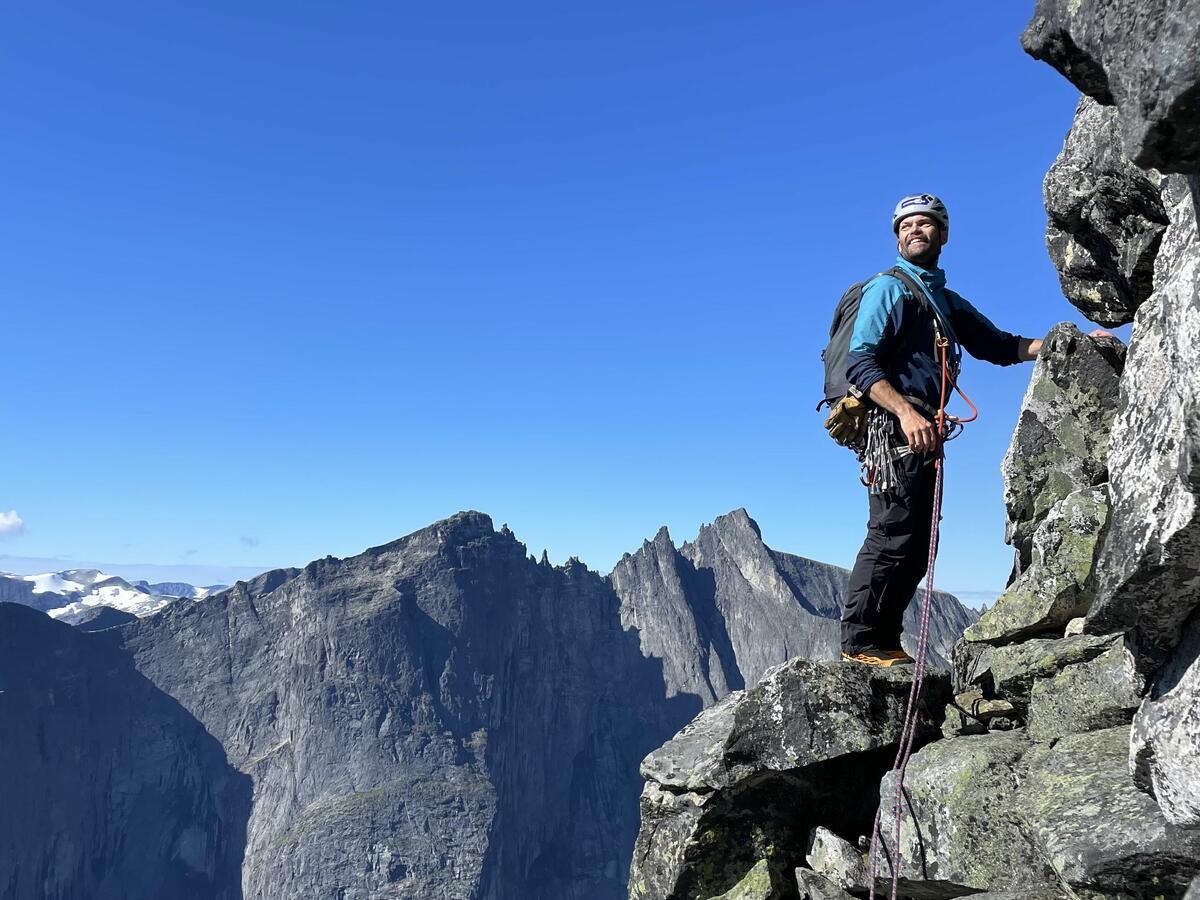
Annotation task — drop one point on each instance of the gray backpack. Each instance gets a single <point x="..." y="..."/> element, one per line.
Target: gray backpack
<point x="842" y="329"/>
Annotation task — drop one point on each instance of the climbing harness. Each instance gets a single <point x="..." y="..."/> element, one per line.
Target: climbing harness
<point x="945" y="425"/>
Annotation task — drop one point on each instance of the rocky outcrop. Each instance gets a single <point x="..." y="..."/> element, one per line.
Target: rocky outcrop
<point x="745" y="783"/>
<point x="98" y="618"/>
<point x="1008" y="672"/>
<point x="961" y="824"/>
<point x="1165" y="743"/>
<point x="1060" y="444"/>
<point x="1139" y="57"/>
<point x="111" y="788"/>
<point x="1149" y="568"/>
<point x="1099" y="693"/>
<point x="1058" y="584"/>
<point x="1142" y="62"/>
<point x="988" y="811"/>
<point x="1106" y="220"/>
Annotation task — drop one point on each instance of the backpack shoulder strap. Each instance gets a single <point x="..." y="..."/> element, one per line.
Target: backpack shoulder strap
<point x="911" y="286"/>
<point x="918" y="294"/>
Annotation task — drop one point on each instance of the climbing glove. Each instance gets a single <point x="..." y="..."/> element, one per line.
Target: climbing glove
<point x="847" y="421"/>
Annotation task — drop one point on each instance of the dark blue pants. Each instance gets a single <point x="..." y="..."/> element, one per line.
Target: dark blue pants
<point x="893" y="558"/>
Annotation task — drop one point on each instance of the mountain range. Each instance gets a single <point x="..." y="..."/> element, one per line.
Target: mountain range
<point x="441" y="716"/>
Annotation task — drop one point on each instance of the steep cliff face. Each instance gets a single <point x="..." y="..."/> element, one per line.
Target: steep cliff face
<point x="438" y="717"/>
<point x="725" y="607"/>
<point x="110" y="788"/>
<point x="1148" y="569"/>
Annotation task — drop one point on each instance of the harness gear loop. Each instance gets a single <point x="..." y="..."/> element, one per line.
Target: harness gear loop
<point x="909" y="732"/>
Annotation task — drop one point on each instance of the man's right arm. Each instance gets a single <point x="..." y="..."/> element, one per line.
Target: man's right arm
<point x="920" y="432"/>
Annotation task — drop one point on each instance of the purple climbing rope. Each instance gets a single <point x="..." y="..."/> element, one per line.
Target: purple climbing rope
<point x="908" y="734"/>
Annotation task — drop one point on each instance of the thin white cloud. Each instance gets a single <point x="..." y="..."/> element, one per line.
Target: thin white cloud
<point x="11" y="524"/>
<point x="250" y="541"/>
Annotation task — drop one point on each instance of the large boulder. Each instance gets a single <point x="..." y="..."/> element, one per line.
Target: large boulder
<point x="1092" y="695"/>
<point x="959" y="823"/>
<point x="1139" y="56"/>
<point x="811" y="886"/>
<point x="993" y="810"/>
<point x="1148" y="569"/>
<point x="1165" y="742"/>
<point x="749" y="778"/>
<point x="1106" y="219"/>
<point x="1060" y="444"/>
<point x="1082" y="813"/>
<point x="1058" y="584"/>
<point x="1009" y="672"/>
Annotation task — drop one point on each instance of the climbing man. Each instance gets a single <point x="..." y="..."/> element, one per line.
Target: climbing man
<point x="894" y="363"/>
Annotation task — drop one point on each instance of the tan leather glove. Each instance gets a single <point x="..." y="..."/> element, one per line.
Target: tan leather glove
<point x="847" y="421"/>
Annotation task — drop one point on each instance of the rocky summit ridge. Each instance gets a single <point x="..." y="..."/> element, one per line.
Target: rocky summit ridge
<point x="442" y="716"/>
<point x="1058" y="761"/>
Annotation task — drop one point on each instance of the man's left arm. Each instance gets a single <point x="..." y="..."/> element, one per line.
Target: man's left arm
<point x="985" y="341"/>
<point x="1030" y="347"/>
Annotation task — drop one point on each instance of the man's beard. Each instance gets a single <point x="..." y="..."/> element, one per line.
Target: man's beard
<point x="926" y="259"/>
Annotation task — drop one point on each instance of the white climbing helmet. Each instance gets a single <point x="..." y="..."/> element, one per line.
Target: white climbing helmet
<point x="920" y="203"/>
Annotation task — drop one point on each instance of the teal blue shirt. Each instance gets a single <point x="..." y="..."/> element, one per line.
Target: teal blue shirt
<point x="894" y="337"/>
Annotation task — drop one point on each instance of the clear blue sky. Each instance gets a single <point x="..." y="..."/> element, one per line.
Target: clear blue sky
<point x="284" y="280"/>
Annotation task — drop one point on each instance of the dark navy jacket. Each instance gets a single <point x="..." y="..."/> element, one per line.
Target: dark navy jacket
<point x="893" y="335"/>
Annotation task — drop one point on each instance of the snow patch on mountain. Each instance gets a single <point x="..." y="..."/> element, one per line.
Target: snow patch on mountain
<point x="68" y="595"/>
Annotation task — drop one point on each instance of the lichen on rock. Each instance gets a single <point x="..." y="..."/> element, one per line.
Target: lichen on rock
<point x="1060" y="444"/>
<point x="1057" y="586"/>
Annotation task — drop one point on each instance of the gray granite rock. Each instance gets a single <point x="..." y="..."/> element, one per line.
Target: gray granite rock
<point x="760" y="883"/>
<point x="1165" y="741"/>
<point x="1058" y="584"/>
<point x="98" y="618"/>
<point x="1106" y="219"/>
<point x="1148" y="570"/>
<point x="836" y="859"/>
<point x="811" y="886"/>
<point x="993" y="811"/>
<point x="1060" y="444"/>
<point x="1099" y="693"/>
<point x="1140" y="56"/>
<point x="1082" y="812"/>
<point x="1193" y="891"/>
<point x="959" y="823"/>
<point x="749" y="779"/>
<point x="799" y="713"/>
<point x="1008" y="672"/>
<point x="1022" y="893"/>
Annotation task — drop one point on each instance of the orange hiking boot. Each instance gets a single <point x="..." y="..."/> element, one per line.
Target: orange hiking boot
<point x="899" y="657"/>
<point x="881" y="658"/>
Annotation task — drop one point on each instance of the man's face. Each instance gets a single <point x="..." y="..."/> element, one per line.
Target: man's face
<point x="920" y="239"/>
